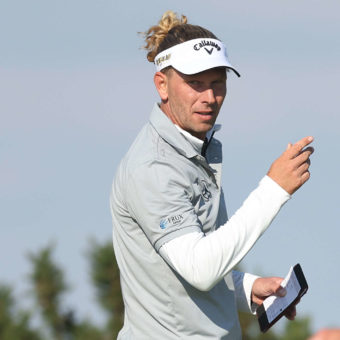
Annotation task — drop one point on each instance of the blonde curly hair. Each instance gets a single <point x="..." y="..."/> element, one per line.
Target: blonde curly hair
<point x="170" y="31"/>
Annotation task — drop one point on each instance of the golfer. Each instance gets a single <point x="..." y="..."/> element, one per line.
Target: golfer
<point x="174" y="243"/>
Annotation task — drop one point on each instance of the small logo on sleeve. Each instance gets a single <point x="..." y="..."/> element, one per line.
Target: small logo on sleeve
<point x="171" y="221"/>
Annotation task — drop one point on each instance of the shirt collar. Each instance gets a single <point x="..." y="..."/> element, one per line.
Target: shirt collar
<point x="194" y="141"/>
<point x="185" y="143"/>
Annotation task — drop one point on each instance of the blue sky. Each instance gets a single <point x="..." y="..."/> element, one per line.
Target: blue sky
<point x="75" y="88"/>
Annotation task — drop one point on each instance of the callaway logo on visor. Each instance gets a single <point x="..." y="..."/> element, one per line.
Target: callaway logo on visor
<point x="205" y="43"/>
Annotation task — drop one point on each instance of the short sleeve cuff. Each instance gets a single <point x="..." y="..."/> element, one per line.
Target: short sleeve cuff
<point x="174" y="234"/>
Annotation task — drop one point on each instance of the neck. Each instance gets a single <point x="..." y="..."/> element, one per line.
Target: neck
<point x="165" y="107"/>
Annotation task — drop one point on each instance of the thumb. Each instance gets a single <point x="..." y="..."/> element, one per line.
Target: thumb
<point x="276" y="287"/>
<point x="281" y="292"/>
<point x="289" y="146"/>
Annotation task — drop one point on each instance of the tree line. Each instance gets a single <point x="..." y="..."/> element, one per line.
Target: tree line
<point x="58" y="322"/>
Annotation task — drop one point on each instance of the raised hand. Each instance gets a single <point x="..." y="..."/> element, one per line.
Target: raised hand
<point x="291" y="169"/>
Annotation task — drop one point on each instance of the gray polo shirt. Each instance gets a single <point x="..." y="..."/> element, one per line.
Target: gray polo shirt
<point x="164" y="188"/>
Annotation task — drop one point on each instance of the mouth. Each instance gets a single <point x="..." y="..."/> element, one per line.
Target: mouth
<point x="205" y="113"/>
<point x="205" y="116"/>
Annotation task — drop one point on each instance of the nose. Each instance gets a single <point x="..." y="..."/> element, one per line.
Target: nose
<point x="209" y="96"/>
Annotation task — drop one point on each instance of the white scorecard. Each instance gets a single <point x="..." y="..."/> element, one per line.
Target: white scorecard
<point x="274" y="307"/>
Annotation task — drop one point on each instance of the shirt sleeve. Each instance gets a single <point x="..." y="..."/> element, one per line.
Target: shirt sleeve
<point x="160" y="203"/>
<point x="243" y="287"/>
<point x="203" y="260"/>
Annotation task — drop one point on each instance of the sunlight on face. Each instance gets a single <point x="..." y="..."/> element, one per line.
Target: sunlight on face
<point x="194" y="101"/>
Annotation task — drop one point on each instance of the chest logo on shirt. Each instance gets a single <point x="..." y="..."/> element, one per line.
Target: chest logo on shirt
<point x="206" y="194"/>
<point x="171" y="221"/>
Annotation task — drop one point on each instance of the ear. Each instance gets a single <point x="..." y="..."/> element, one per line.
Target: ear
<point x="161" y="82"/>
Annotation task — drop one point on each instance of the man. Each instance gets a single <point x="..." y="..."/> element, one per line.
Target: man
<point x="175" y="247"/>
<point x="326" y="334"/>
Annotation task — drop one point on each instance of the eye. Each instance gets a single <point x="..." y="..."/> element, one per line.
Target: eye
<point x="220" y="81"/>
<point x="193" y="82"/>
<point x="219" y="84"/>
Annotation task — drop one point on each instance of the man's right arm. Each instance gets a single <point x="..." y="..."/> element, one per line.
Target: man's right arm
<point x="203" y="260"/>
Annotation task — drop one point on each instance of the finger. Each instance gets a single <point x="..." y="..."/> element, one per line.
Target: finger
<point x="264" y="287"/>
<point x="281" y="292"/>
<point x="302" y="157"/>
<point x="290" y="313"/>
<point x="309" y="149"/>
<point x="276" y="287"/>
<point x="298" y="146"/>
<point x="305" y="177"/>
<point x="289" y="146"/>
<point x="303" y="167"/>
<point x="301" y="147"/>
<point x="307" y="152"/>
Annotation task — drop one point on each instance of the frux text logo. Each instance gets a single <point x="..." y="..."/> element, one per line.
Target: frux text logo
<point x="171" y="221"/>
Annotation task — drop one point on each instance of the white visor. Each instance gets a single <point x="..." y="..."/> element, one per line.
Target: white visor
<point x="195" y="56"/>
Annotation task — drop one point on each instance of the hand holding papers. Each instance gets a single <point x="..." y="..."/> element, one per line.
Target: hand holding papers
<point x="274" y="307"/>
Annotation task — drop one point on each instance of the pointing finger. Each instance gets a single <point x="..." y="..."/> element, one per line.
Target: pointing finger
<point x="303" y="156"/>
<point x="298" y="146"/>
